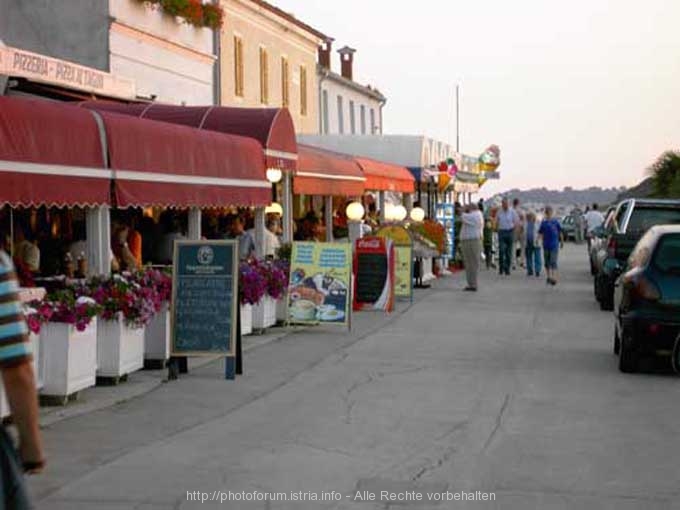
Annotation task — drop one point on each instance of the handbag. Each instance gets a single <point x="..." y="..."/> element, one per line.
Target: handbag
<point x="13" y="495"/>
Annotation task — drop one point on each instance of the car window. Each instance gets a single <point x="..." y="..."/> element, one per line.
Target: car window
<point x="620" y="215"/>
<point x="667" y="254"/>
<point x="644" y="218"/>
<point x="640" y="255"/>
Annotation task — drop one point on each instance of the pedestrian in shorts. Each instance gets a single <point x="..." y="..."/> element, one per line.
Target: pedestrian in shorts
<point x="551" y="234"/>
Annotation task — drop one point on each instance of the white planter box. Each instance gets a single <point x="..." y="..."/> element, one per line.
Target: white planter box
<point x="282" y="309"/>
<point x="264" y="313"/>
<point x="157" y="336"/>
<point x="120" y="349"/>
<point x="246" y="312"/>
<point x="37" y="371"/>
<point x="69" y="358"/>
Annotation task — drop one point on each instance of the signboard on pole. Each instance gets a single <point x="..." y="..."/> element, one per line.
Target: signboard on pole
<point x="445" y="216"/>
<point x="374" y="274"/>
<point x="320" y="283"/>
<point x="204" y="298"/>
<point x="403" y="259"/>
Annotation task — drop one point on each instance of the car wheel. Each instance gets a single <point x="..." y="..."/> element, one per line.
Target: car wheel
<point x="596" y="288"/>
<point x="606" y="299"/>
<point x="628" y="359"/>
<point x="593" y="272"/>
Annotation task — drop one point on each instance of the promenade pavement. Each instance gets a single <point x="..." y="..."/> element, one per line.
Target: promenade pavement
<point x="512" y="390"/>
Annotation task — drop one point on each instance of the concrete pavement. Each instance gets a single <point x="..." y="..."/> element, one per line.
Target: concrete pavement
<point x="512" y="391"/>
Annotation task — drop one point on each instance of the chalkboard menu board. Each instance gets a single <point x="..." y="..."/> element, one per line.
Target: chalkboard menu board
<point x="205" y="298"/>
<point x="374" y="274"/>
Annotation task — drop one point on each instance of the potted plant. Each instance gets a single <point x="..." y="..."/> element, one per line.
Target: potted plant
<point x="275" y="276"/>
<point x="68" y="337"/>
<point x="252" y="286"/>
<point x="127" y="308"/>
<point x="157" y="333"/>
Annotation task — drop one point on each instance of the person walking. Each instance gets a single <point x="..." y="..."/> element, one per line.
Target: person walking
<point x="594" y="219"/>
<point x="532" y="245"/>
<point x="507" y="221"/>
<point x="471" y="244"/>
<point x="517" y="246"/>
<point x="487" y="240"/>
<point x="19" y="382"/>
<point x="551" y="233"/>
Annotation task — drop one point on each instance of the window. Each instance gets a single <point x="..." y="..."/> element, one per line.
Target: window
<point x="341" y="119"/>
<point x="352" y="119"/>
<point x="643" y="218"/>
<point x="303" y="91"/>
<point x="324" y="127"/>
<point x="363" y="119"/>
<point x="284" y="82"/>
<point x="667" y="256"/>
<point x="238" y="66"/>
<point x="264" y="76"/>
<point x="373" y="129"/>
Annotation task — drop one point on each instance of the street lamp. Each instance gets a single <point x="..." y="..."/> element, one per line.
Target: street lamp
<point x="389" y="212"/>
<point x="274" y="208"/>
<point x="274" y="175"/>
<point x="399" y="213"/>
<point x="355" y="216"/>
<point x="418" y="214"/>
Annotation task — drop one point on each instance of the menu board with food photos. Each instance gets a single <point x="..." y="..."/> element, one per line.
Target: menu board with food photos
<point x="403" y="261"/>
<point x="374" y="274"/>
<point x="320" y="283"/>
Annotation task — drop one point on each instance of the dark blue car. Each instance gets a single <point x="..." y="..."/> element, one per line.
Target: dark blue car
<point x="647" y="299"/>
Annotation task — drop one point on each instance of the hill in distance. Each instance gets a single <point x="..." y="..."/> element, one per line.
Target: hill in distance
<point x="566" y="196"/>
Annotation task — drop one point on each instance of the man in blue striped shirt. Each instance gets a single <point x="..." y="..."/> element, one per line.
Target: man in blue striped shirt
<point x="19" y="382"/>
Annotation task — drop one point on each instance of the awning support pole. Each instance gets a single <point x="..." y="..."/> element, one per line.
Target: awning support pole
<point x="259" y="232"/>
<point x="194" y="224"/>
<point x="98" y="225"/>
<point x="287" y="208"/>
<point x="381" y="206"/>
<point x="328" y="206"/>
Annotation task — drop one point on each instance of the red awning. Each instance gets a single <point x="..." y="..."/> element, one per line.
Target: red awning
<point x="272" y="127"/>
<point x="50" y="154"/>
<point x="156" y="163"/>
<point x="386" y="176"/>
<point x="321" y="172"/>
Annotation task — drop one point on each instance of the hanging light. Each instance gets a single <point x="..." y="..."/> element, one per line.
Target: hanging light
<point x="355" y="211"/>
<point x="418" y="214"/>
<point x="274" y="208"/>
<point x="274" y="175"/>
<point x="389" y="212"/>
<point x="400" y="213"/>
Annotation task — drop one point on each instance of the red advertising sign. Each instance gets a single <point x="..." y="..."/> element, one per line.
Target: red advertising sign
<point x="374" y="274"/>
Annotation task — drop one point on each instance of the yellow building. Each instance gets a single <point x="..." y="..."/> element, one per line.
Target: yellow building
<point x="268" y="59"/>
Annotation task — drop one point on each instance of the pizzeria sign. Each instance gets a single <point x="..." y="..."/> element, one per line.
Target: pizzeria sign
<point x="39" y="68"/>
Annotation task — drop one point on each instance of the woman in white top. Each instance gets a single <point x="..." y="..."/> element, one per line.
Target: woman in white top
<point x="471" y="244"/>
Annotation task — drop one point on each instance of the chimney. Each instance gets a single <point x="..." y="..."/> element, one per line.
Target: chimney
<point x="325" y="54"/>
<point x="346" y="61"/>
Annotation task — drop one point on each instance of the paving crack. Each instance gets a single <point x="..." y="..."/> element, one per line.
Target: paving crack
<point x="499" y="422"/>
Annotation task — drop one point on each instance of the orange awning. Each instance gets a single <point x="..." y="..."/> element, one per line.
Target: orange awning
<point x="386" y="176"/>
<point x="322" y="172"/>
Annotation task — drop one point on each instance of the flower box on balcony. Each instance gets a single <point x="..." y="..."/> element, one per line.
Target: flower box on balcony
<point x="264" y="313"/>
<point x="157" y="339"/>
<point x="120" y="349"/>
<point x="246" y="312"/>
<point x="69" y="358"/>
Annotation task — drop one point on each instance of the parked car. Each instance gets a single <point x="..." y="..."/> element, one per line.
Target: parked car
<point x="597" y="238"/>
<point x="647" y="299"/>
<point x="568" y="224"/>
<point x="633" y="217"/>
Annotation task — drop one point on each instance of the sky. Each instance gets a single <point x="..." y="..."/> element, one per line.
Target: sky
<point x="580" y="93"/>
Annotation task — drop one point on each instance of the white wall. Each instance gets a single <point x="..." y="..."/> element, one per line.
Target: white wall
<point x="334" y="89"/>
<point x="168" y="58"/>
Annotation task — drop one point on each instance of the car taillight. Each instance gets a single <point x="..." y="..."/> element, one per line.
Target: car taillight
<point x="611" y="248"/>
<point x="641" y="286"/>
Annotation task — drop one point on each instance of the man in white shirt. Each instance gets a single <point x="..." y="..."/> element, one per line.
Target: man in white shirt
<point x="594" y="219"/>
<point x="507" y="222"/>
<point x="471" y="244"/>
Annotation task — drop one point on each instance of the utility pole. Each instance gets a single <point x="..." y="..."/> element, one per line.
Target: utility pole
<point x="457" y="118"/>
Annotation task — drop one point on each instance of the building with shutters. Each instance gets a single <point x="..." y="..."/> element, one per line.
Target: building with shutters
<point x="268" y="59"/>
